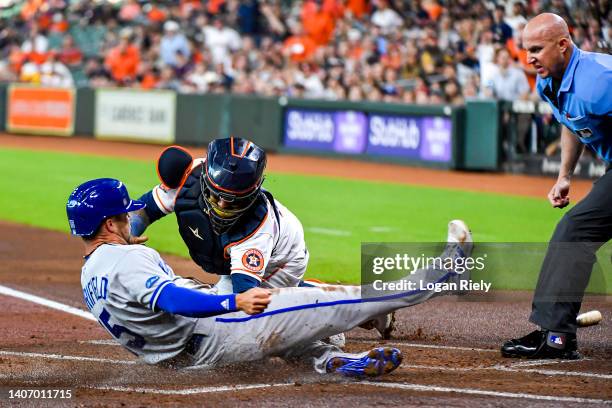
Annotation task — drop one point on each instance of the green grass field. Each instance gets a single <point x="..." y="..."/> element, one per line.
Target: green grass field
<point x="337" y="214"/>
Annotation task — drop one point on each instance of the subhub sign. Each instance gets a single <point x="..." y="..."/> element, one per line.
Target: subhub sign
<point x="424" y="138"/>
<point x="427" y="138"/>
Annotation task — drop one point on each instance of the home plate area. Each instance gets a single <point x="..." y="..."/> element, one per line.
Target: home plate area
<point x="450" y="347"/>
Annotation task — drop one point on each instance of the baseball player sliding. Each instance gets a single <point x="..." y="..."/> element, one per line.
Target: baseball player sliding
<point x="231" y="225"/>
<point x="163" y="318"/>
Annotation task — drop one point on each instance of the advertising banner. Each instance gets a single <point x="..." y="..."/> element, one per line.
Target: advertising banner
<point x="135" y="115"/>
<point x="309" y="129"/>
<point x="350" y="131"/>
<point x="427" y="138"/>
<point x="341" y="131"/>
<point x="40" y="110"/>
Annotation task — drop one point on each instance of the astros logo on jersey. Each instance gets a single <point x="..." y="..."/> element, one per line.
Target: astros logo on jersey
<point x="253" y="260"/>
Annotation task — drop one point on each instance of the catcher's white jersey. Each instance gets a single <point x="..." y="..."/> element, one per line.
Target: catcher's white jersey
<point x="121" y="285"/>
<point x="275" y="254"/>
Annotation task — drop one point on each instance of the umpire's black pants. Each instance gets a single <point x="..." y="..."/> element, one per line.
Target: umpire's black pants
<point x="570" y="257"/>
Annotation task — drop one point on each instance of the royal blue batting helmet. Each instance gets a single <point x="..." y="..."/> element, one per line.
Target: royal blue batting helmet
<point x="95" y="200"/>
<point x="231" y="180"/>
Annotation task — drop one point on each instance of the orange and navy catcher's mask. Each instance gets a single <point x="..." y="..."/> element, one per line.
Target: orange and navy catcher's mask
<point x="231" y="180"/>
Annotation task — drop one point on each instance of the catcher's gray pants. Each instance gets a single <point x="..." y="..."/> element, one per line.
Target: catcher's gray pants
<point x="297" y="318"/>
<point x="570" y="257"/>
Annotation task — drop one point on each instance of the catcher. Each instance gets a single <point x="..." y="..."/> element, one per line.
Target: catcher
<point x="231" y="225"/>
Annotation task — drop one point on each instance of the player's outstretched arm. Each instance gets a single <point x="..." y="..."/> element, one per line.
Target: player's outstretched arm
<point x="193" y="303"/>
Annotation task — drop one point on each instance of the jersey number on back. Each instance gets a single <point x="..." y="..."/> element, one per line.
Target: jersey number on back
<point x="116" y="330"/>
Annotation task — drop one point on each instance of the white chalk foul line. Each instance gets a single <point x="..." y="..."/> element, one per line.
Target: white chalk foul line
<point x="64" y="357"/>
<point x="532" y="363"/>
<point x="509" y="369"/>
<point x="553" y="372"/>
<point x="473" y="391"/>
<point x="432" y="346"/>
<point x="101" y="342"/>
<point x="46" y="302"/>
<point x="189" y="391"/>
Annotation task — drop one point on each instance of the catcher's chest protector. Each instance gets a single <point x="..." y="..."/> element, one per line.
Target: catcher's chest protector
<point x="206" y="248"/>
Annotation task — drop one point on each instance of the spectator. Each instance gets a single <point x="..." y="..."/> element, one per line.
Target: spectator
<point x="70" y="54"/>
<point x="421" y="97"/>
<point x="433" y="9"/>
<point x="502" y="32"/>
<point x="357" y="8"/>
<point x="515" y="47"/>
<point x="122" y="61"/>
<point x="54" y="73"/>
<point x="299" y="47"/>
<point x="172" y="43"/>
<point x="311" y="80"/>
<point x="58" y="23"/>
<point x="385" y="17"/>
<point x="96" y="73"/>
<point x="432" y="58"/>
<point x="148" y="75"/>
<point x="507" y="82"/>
<point x="247" y="14"/>
<point x="130" y="11"/>
<point x="182" y="66"/>
<point x="221" y="40"/>
<point x="318" y="23"/>
<point x="199" y="78"/>
<point x="36" y="43"/>
<point x="517" y="17"/>
<point x="168" y="80"/>
<point x="447" y="36"/>
<point x="274" y="24"/>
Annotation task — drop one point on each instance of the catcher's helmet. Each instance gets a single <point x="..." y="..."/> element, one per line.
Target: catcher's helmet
<point x="231" y="180"/>
<point x="93" y="201"/>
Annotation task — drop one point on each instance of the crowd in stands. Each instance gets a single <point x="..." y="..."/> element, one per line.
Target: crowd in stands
<point x="412" y="51"/>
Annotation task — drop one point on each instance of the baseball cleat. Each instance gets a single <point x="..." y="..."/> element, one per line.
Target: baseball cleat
<point x="459" y="233"/>
<point x="376" y="362"/>
<point x="459" y="245"/>
<point x="542" y="344"/>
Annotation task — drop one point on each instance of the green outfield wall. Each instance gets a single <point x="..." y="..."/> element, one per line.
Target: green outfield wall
<point x="449" y="137"/>
<point x="3" y="107"/>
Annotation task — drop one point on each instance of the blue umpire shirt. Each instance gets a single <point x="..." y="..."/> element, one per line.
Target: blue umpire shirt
<point x="583" y="102"/>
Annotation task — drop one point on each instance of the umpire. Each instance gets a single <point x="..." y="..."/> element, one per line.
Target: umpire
<point x="578" y="87"/>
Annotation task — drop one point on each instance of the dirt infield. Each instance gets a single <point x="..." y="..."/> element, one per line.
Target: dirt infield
<point x="450" y="344"/>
